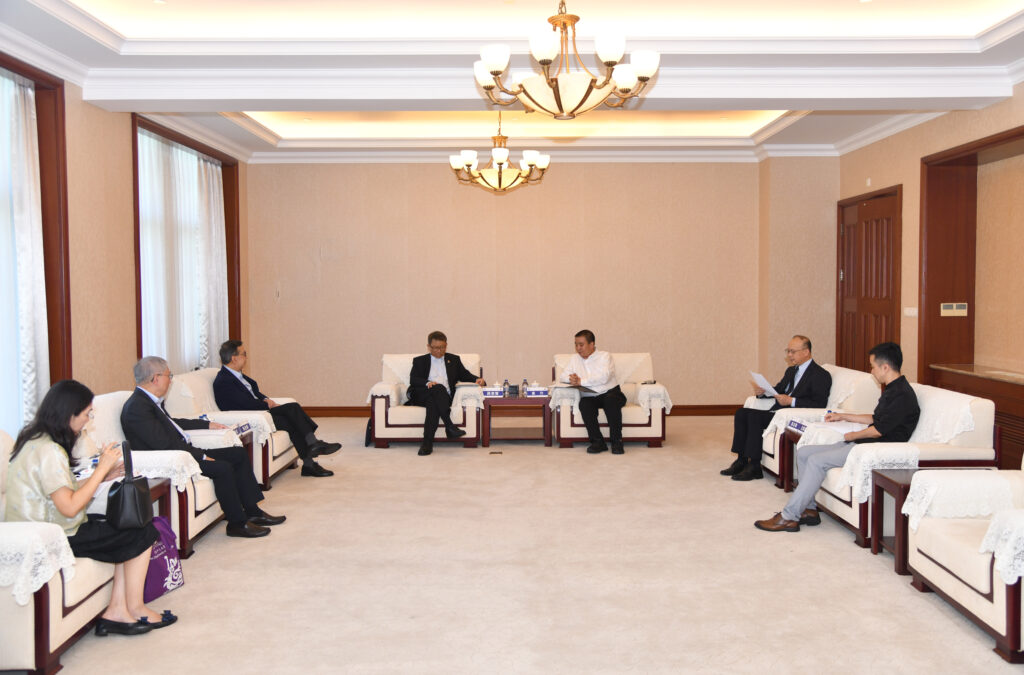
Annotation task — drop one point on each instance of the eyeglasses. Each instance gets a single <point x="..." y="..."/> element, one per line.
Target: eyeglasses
<point x="241" y="354"/>
<point x="794" y="351"/>
<point x="169" y="376"/>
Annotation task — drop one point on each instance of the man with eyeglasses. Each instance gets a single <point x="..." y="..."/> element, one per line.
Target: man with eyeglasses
<point x="233" y="390"/>
<point x="805" y="384"/>
<point x="148" y="426"/>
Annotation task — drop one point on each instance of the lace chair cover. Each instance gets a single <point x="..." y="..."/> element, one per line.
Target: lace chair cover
<point x="867" y="457"/>
<point x="957" y="494"/>
<point x="30" y="554"/>
<point x="653" y="397"/>
<point x="944" y="415"/>
<point x="1005" y="540"/>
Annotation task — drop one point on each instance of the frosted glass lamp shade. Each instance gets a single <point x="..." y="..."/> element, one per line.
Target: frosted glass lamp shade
<point x="610" y="48"/>
<point x="544" y="46"/>
<point x="495" y="58"/>
<point x="468" y="157"/>
<point x="455" y="161"/>
<point x="624" y="76"/>
<point x="499" y="155"/>
<point x="645" y="63"/>
<point x="530" y="157"/>
<point x="483" y="77"/>
<point x="543" y="161"/>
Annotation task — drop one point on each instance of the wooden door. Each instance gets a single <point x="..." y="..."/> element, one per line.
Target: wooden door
<point x="868" y="289"/>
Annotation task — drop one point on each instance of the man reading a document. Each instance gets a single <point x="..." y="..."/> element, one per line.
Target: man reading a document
<point x="805" y="384"/>
<point x="594" y="372"/>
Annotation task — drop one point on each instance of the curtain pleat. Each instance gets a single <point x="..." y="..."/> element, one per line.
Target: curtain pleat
<point x="183" y="258"/>
<point x="24" y="338"/>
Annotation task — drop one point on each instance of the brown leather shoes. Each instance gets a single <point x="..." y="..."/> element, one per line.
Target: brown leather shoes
<point x="810" y="518"/>
<point x="777" y="524"/>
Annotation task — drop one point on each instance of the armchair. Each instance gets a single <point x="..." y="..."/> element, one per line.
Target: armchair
<point x="643" y="416"/>
<point x="391" y="420"/>
<point x="191" y="395"/>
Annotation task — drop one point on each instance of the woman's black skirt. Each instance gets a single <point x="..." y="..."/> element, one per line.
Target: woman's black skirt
<point x="98" y="539"/>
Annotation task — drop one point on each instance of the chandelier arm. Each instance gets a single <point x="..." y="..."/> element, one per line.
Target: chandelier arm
<point x="503" y="90"/>
<point x="496" y="100"/>
<point x="576" y="53"/>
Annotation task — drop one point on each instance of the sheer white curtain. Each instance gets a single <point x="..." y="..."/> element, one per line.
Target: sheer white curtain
<point x="24" y="343"/>
<point x="182" y="254"/>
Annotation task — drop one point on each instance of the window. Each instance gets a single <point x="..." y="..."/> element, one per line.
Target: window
<point x="183" y="279"/>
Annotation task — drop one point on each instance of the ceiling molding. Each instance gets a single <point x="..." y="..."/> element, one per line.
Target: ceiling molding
<point x="796" y="150"/>
<point x="22" y="47"/>
<point x="253" y="127"/>
<point x="200" y="133"/>
<point x="409" y="156"/>
<point x="881" y="131"/>
<point x="777" y="125"/>
<point x="83" y="22"/>
<point x="1002" y="31"/>
<point x="1016" y="71"/>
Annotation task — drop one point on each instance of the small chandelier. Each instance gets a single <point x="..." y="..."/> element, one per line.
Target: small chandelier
<point x="499" y="176"/>
<point x="566" y="94"/>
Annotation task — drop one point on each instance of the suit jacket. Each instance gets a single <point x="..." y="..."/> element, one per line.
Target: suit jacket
<point x="457" y="372"/>
<point x="147" y="427"/>
<point x="231" y="394"/>
<point x="812" y="389"/>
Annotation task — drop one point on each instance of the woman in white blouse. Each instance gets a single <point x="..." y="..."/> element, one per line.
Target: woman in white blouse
<point x="41" y="488"/>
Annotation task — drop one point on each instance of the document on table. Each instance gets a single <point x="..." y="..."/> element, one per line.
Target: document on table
<point x="763" y="384"/>
<point x="565" y="385"/>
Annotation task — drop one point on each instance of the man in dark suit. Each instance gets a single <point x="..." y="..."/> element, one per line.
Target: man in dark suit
<point x="432" y="385"/>
<point x="148" y="426"/>
<point x="234" y="390"/>
<point x="805" y="384"/>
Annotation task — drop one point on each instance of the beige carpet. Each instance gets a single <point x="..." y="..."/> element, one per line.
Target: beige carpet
<point x="540" y="560"/>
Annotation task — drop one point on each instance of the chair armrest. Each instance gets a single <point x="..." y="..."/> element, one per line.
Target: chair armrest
<point x="564" y="396"/>
<point x="962" y="493"/>
<point x="260" y="420"/>
<point x="177" y="465"/>
<point x="758" y="403"/>
<point x="30" y="554"/>
<point x="394" y="392"/>
<point x="281" y="400"/>
<point x="653" y="396"/>
<point x="469" y="396"/>
<point x="208" y="439"/>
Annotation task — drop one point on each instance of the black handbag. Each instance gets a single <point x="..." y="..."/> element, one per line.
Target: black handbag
<point x="129" y="504"/>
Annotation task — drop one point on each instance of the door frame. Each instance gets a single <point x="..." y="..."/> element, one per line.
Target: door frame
<point x="897" y="278"/>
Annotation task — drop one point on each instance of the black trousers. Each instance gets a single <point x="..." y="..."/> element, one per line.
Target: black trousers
<point x="292" y="418"/>
<point x="611" y="402"/>
<point x="438" y="403"/>
<point x="748" y="425"/>
<point x="233" y="481"/>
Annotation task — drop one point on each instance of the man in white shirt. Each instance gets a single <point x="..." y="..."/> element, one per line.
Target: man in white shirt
<point x="594" y="372"/>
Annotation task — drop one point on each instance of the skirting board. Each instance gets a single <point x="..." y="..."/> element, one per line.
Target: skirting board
<point x="677" y="411"/>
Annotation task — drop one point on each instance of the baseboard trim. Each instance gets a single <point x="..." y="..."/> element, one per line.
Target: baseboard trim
<point x="704" y="410"/>
<point x="677" y="410"/>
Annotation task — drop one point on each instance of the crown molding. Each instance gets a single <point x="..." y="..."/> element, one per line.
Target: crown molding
<point x="200" y="133"/>
<point x="775" y="126"/>
<point x="883" y="130"/>
<point x="83" y="22"/>
<point x="253" y="127"/>
<point x="412" y="156"/>
<point x="1016" y="71"/>
<point x="22" y="47"/>
<point x="1001" y="32"/>
<point x="770" y="150"/>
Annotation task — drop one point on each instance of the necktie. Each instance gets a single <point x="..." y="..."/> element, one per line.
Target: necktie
<point x="180" y="431"/>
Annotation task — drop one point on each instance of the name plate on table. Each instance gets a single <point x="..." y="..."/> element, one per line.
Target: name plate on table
<point x="797" y="426"/>
<point x="242" y="428"/>
<point x="493" y="391"/>
<point x="536" y="392"/>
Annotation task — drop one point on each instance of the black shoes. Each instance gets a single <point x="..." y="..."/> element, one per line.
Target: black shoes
<point x="810" y="517"/>
<point x="617" y="448"/>
<point x="735" y="467"/>
<point x="454" y="432"/>
<point x="106" y="627"/>
<point x="248" y="530"/>
<point x="166" y="619"/>
<point x="425" y="450"/>
<point x="315" y="470"/>
<point x="323" y="448"/>
<point x="596" y="448"/>
<point x="264" y="519"/>
<point x="751" y="471"/>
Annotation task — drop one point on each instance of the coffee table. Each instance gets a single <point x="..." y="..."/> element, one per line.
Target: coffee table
<point x="515" y="407"/>
<point x="896" y="482"/>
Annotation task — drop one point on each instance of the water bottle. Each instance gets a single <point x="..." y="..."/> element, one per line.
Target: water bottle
<point x="522" y="388"/>
<point x="505" y="389"/>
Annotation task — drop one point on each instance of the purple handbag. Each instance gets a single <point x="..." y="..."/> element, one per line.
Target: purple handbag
<point x="164" y="572"/>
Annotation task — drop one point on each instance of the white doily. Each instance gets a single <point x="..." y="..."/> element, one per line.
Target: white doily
<point x="956" y="494"/>
<point x="30" y="554"/>
<point x="177" y="465"/>
<point x="561" y="396"/>
<point x="210" y="439"/>
<point x="260" y="421"/>
<point x="784" y="415"/>
<point x="396" y="393"/>
<point x="1005" y="540"/>
<point x="866" y="457"/>
<point x="827" y="433"/>
<point x="471" y="397"/>
<point x="944" y="415"/>
<point x="653" y="397"/>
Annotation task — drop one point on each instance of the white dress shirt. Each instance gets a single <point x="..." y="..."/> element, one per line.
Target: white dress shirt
<point x="245" y="382"/>
<point x="438" y="373"/>
<point x="800" y="370"/>
<point x="596" y="372"/>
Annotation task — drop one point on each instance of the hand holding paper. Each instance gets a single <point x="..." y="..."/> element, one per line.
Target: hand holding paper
<point x="763" y="384"/>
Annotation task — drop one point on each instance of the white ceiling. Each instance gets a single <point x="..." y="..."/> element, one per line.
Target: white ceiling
<point x="398" y="74"/>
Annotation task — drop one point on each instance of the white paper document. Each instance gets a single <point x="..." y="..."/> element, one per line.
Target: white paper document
<point x="764" y="384"/>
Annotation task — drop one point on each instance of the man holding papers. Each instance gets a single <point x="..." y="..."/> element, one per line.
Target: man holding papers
<point x="805" y="384"/>
<point x="893" y="421"/>
<point x="593" y="372"/>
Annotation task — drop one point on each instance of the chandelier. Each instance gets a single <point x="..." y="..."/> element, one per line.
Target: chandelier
<point x="499" y="176"/>
<point x="561" y="92"/>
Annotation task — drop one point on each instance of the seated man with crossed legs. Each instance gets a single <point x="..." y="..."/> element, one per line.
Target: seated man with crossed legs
<point x="595" y="371"/>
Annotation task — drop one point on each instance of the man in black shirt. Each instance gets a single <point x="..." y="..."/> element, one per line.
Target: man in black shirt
<point x="893" y="421"/>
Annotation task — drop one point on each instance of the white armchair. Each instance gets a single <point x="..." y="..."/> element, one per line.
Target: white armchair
<point x="48" y="598"/>
<point x="954" y="430"/>
<point x="194" y="505"/>
<point x="191" y="395"/>
<point x="391" y="420"/>
<point x="852" y="391"/>
<point x="965" y="538"/>
<point x="643" y="416"/>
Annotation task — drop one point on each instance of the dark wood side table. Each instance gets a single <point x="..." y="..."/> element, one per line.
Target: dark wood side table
<point x="895" y="482"/>
<point x="160" y="493"/>
<point x="529" y="406"/>
<point x="787" y="453"/>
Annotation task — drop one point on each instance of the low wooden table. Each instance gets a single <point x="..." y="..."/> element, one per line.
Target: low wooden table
<point x="787" y="451"/>
<point x="535" y="404"/>
<point x="160" y="493"/>
<point x="896" y="482"/>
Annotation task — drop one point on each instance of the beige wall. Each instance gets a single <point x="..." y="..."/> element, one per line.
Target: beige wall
<point x="897" y="160"/>
<point x="352" y="261"/>
<point x="101" y="233"/>
<point x="797" y="254"/>
<point x="999" y="324"/>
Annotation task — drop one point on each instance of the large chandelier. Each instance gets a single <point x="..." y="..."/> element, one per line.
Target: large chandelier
<point x="561" y="92"/>
<point x="499" y="176"/>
